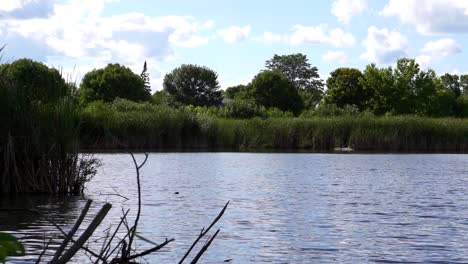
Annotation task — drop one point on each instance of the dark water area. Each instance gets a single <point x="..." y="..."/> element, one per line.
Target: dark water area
<point x="285" y="207"/>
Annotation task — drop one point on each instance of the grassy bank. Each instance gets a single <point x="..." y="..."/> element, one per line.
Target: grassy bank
<point x="146" y="126"/>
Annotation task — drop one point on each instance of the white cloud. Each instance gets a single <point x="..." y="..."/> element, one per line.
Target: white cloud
<point x="77" y="29"/>
<point x="335" y="56"/>
<point x="424" y="61"/>
<point x="235" y="34"/>
<point x="320" y="34"/>
<point x="436" y="50"/>
<point x="458" y="72"/>
<point x="270" y="38"/>
<point x="24" y="9"/>
<point x="442" y="47"/>
<point x="430" y="16"/>
<point x="313" y="35"/>
<point x="384" y="46"/>
<point x="344" y="10"/>
<point x="226" y="81"/>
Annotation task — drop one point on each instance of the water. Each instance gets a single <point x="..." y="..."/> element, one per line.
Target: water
<point x="285" y="208"/>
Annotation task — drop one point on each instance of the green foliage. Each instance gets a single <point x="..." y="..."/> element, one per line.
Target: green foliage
<point x="114" y="81"/>
<point x="406" y="90"/>
<point x="193" y="85"/>
<point x="378" y="83"/>
<point x="272" y="89"/>
<point x="160" y="98"/>
<point x="9" y="246"/>
<point x="344" y="89"/>
<point x="297" y="69"/>
<point x="405" y="84"/>
<point x="331" y="110"/>
<point x="243" y="109"/>
<point x="452" y="82"/>
<point x="274" y="112"/>
<point x="461" y="106"/>
<point x="239" y="91"/>
<point x="34" y="80"/>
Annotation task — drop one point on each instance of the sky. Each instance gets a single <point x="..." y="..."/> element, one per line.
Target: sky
<point x="234" y="38"/>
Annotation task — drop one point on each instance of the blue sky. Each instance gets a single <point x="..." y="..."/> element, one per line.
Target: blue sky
<point x="234" y="38"/>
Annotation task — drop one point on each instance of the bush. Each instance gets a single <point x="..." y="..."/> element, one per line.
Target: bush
<point x="330" y="110"/>
<point x="243" y="109"/>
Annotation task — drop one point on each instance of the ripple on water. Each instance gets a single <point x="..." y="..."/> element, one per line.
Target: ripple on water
<point x="285" y="208"/>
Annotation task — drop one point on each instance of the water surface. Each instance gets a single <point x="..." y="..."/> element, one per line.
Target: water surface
<point x="285" y="208"/>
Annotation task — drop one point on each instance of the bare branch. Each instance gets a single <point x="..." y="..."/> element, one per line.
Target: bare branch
<point x="72" y="231"/>
<point x="204" y="248"/>
<point x="203" y="233"/>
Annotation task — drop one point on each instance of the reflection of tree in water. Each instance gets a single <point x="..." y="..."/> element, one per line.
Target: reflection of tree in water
<point x="32" y="229"/>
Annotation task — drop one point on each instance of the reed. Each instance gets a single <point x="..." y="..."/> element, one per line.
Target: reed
<point x="146" y="126"/>
<point x="39" y="144"/>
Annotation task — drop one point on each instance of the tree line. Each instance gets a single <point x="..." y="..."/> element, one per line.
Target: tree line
<point x="288" y="83"/>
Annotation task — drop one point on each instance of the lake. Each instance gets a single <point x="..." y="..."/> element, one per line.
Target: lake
<point x="284" y="208"/>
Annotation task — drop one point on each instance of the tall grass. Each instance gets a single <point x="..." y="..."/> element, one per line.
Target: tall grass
<point x="39" y="144"/>
<point x="146" y="126"/>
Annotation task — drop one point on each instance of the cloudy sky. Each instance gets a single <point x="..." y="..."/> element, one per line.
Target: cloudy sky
<point x="235" y="38"/>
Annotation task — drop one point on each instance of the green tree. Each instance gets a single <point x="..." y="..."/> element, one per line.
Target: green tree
<point x="299" y="71"/>
<point x="343" y="88"/>
<point x="114" y="81"/>
<point x="272" y="89"/>
<point x="35" y="81"/>
<point x="405" y="86"/>
<point x="432" y="98"/>
<point x="452" y="82"/>
<point x="193" y="85"/>
<point x="378" y="83"/>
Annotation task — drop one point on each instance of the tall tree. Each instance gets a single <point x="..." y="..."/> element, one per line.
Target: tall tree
<point x="145" y="77"/>
<point x="405" y="76"/>
<point x="300" y="72"/>
<point x="114" y="81"/>
<point x="343" y="88"/>
<point x="272" y="89"/>
<point x="193" y="85"/>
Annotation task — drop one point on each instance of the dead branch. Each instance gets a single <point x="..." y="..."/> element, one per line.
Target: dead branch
<point x="72" y="231"/>
<point x="85" y="235"/>
<point x="204" y="232"/>
<point x="204" y="248"/>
